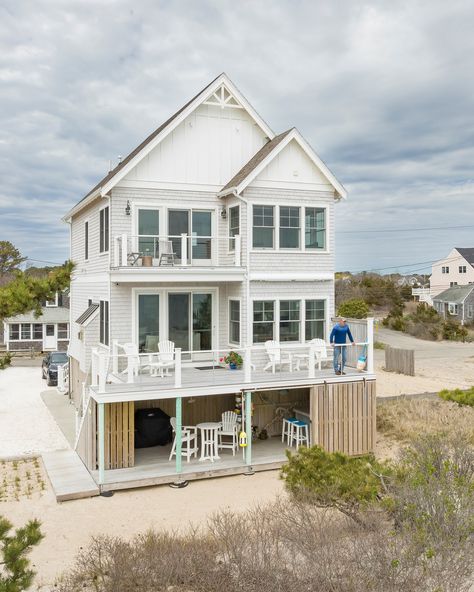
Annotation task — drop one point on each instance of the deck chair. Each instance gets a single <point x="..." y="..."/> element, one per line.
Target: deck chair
<point x="134" y="360"/>
<point x="133" y="259"/>
<point x="273" y="350"/>
<point x="189" y="445"/>
<point x="166" y="252"/>
<point x="228" y="429"/>
<point x="320" y="351"/>
<point x="151" y="343"/>
<point x="162" y="362"/>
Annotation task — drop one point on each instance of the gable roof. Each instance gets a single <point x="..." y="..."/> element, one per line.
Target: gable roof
<point x="49" y="314"/>
<point x="467" y="253"/>
<point x="114" y="176"/>
<point x="456" y="294"/>
<point x="267" y="153"/>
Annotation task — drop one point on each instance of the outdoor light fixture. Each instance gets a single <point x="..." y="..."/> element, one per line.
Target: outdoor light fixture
<point x="223" y="213"/>
<point x="127" y="208"/>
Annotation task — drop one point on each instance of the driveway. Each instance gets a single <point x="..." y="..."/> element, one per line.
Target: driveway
<point x="438" y="365"/>
<point x="26" y="425"/>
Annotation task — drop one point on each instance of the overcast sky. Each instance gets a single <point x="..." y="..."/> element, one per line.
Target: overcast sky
<point x="384" y="92"/>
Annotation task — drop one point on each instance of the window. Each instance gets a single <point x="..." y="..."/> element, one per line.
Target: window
<point x="452" y="284"/>
<point x="62" y="330"/>
<point x="37" y="331"/>
<point x="452" y="308"/>
<point x="52" y="303"/>
<point x="15" y="332"/>
<point x="104" y="230"/>
<point x="314" y="319"/>
<point x="148" y="231"/>
<point x="234" y="321"/>
<point x="290" y="320"/>
<point x="263" y="227"/>
<point x="470" y="311"/>
<point x="315" y="228"/>
<point x="462" y="269"/>
<point x="86" y="240"/>
<point x="104" y="322"/>
<point x="445" y="269"/>
<point x="25" y="331"/>
<point x="289" y="228"/>
<point x="234" y="225"/>
<point x="263" y="320"/>
<point x="148" y="322"/>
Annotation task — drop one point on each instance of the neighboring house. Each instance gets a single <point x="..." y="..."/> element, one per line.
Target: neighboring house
<point x="456" y="303"/>
<point x="457" y="269"/>
<point x="48" y="332"/>
<point x="217" y="234"/>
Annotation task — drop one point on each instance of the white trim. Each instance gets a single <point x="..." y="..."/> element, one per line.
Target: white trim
<point x="84" y="222"/>
<point x="176" y="275"/>
<point x="239" y="300"/>
<point x="55" y="305"/>
<point x="101" y="209"/>
<point x="290" y="276"/>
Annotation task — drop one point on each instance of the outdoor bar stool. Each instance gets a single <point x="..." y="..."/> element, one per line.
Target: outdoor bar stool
<point x="287" y="429"/>
<point x="299" y="433"/>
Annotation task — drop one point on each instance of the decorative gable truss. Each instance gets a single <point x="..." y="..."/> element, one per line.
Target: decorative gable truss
<point x="223" y="98"/>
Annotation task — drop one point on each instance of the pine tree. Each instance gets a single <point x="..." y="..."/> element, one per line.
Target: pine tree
<point x="15" y="572"/>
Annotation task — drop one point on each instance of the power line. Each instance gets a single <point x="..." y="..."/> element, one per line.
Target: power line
<point x="457" y="258"/>
<point x="42" y="261"/>
<point x="421" y="229"/>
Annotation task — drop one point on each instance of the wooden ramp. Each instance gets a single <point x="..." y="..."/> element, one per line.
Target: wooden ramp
<point x="68" y="476"/>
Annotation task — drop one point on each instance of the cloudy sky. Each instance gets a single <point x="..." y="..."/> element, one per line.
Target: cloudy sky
<point x="383" y="90"/>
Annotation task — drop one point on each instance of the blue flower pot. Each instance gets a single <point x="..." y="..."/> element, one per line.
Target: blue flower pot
<point x="233" y="366"/>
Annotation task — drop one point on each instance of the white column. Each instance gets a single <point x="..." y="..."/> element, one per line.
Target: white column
<point x="248" y="364"/>
<point x="101" y="442"/>
<point x="370" y="345"/>
<point x="311" y="363"/>
<point x="184" y="249"/>
<point x="238" y="250"/>
<point x="177" y="368"/>
<point x="102" y="371"/>
<point x="124" y="245"/>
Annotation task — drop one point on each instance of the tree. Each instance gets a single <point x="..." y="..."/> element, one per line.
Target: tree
<point x="16" y="575"/>
<point x="25" y="293"/>
<point x="354" y="309"/>
<point x="10" y="258"/>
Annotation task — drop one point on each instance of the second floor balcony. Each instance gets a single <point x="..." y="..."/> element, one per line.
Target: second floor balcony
<point x="172" y="258"/>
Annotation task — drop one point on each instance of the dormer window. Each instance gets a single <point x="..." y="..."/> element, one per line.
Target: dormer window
<point x="52" y="303"/>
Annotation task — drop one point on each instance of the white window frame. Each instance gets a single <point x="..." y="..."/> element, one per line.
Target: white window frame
<point x="106" y="247"/>
<point x="299" y="321"/>
<point x="276" y="315"/>
<point x="325" y="322"/>
<point x="325" y="249"/>
<point x="445" y="269"/>
<point x="289" y="249"/>
<point x="86" y="240"/>
<point x="102" y="322"/>
<point x="67" y="330"/>
<point x="229" y="230"/>
<point x="274" y="227"/>
<point x="462" y="269"/>
<point x="230" y="300"/>
<point x="452" y="308"/>
<point x="53" y="303"/>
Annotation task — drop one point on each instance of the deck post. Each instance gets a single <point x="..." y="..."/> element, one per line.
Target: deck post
<point x="248" y="427"/>
<point x="184" y="249"/>
<point x="115" y="356"/>
<point x="101" y="442"/>
<point x="311" y="363"/>
<point x="238" y="250"/>
<point x="179" y="433"/>
<point x="370" y="345"/>
<point x="177" y="368"/>
<point x="124" y="249"/>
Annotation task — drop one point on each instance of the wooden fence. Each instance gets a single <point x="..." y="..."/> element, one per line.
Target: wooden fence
<point x="343" y="417"/>
<point x="400" y="360"/>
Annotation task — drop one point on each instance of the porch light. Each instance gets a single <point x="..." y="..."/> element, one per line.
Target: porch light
<point x="127" y="208"/>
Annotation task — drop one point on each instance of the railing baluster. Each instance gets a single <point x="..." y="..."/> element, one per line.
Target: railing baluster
<point x="237" y="250"/>
<point x="184" y="249"/>
<point x="177" y="369"/>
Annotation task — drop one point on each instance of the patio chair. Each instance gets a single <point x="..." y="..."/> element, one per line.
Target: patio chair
<point x="151" y="343"/>
<point x="189" y="445"/>
<point x="228" y="429"/>
<point x="136" y="362"/>
<point x="166" y="252"/>
<point x="273" y="350"/>
<point x="164" y="360"/>
<point x="319" y="347"/>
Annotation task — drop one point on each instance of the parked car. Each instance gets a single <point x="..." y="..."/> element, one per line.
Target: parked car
<point x="49" y="367"/>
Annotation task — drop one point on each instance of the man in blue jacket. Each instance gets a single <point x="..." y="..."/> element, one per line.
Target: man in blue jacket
<point x="339" y="335"/>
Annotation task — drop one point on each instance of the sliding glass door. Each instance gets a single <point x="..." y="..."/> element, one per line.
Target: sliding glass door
<point x="178" y="320"/>
<point x="190" y="320"/>
<point x="148" y="322"/>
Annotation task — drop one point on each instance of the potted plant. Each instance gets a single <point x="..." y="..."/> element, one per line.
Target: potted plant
<point x="233" y="359"/>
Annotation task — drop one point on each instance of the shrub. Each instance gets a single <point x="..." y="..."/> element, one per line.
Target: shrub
<point x="354" y="309"/>
<point x="334" y="480"/>
<point x="453" y="331"/>
<point x="5" y="360"/>
<point x="459" y="396"/>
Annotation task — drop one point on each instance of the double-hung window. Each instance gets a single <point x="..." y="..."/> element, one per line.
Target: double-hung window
<point x="14" y="332"/>
<point x="263" y="227"/>
<point x="289" y="227"/>
<point x="104" y="230"/>
<point x="315" y="228"/>
<point x="234" y="225"/>
<point x="86" y="240"/>
<point x="462" y="269"/>
<point x="104" y="322"/>
<point x="314" y="319"/>
<point x="234" y="321"/>
<point x="445" y="269"/>
<point x="62" y="330"/>
<point x="37" y="331"/>
<point x="263" y="320"/>
<point x="25" y="331"/>
<point x="290" y="320"/>
<point x="470" y="311"/>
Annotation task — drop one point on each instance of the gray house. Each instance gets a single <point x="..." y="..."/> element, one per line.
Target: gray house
<point x="456" y="303"/>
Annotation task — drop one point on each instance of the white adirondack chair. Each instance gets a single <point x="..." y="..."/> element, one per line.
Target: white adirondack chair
<point x="164" y="359"/>
<point x="228" y="429"/>
<point x="166" y="252"/>
<point x="134" y="361"/>
<point x="320" y="352"/>
<point x="274" y="353"/>
<point x="189" y="442"/>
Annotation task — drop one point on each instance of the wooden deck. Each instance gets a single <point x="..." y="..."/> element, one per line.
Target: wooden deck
<point x="68" y="476"/>
<point x="152" y="466"/>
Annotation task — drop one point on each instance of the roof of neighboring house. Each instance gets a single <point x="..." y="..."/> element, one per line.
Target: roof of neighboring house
<point x="467" y="253"/>
<point x="50" y="314"/>
<point x="88" y="314"/>
<point x="456" y="294"/>
<point x="255" y="161"/>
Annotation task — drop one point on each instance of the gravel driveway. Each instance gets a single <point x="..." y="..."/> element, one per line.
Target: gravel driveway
<point x="26" y="425"/>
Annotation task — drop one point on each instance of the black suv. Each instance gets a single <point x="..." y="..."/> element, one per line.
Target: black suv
<point x="49" y="367"/>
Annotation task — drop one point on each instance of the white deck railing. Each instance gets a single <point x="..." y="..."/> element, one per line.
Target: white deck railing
<point x="188" y="250"/>
<point x="145" y="368"/>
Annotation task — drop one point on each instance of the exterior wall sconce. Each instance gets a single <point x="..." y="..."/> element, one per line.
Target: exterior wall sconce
<point x="223" y="213"/>
<point x="128" y="208"/>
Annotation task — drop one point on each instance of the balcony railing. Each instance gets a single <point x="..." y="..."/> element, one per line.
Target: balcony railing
<point x="176" y="250"/>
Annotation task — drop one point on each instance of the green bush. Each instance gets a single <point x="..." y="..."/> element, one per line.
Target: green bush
<point x="453" y="331"/>
<point x="5" y="360"/>
<point x="354" y="309"/>
<point x="334" y="480"/>
<point x="459" y="396"/>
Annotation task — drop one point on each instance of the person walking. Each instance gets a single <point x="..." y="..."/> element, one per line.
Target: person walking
<point x="338" y="337"/>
